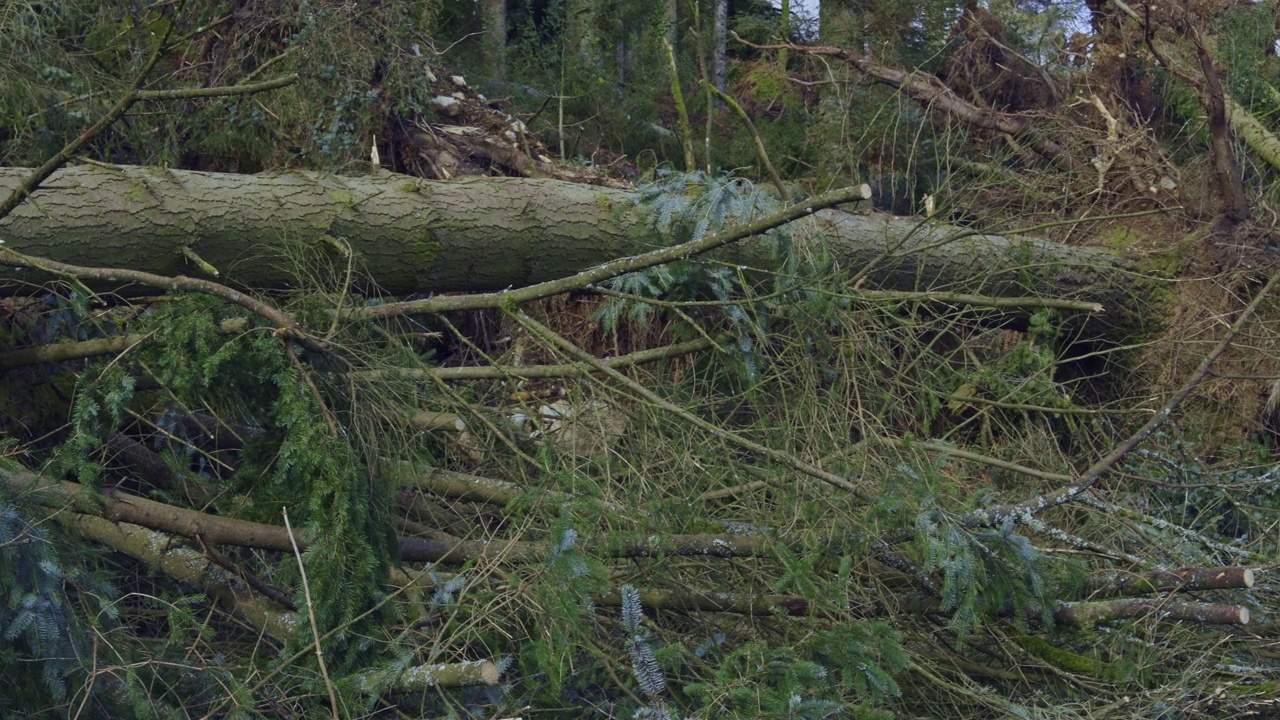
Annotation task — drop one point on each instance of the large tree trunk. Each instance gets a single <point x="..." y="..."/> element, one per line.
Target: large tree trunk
<point x="418" y="236"/>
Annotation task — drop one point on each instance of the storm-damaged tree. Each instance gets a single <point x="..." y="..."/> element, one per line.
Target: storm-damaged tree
<point x="409" y="438"/>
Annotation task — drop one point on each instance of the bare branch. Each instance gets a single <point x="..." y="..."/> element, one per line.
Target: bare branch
<point x="285" y="325"/>
<point x="611" y="269"/>
<point x="929" y="90"/>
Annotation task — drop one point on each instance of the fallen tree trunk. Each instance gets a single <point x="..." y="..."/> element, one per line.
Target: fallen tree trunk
<point x="417" y="236"/>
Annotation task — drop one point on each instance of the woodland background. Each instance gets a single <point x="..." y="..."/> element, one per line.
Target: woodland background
<point x="681" y="359"/>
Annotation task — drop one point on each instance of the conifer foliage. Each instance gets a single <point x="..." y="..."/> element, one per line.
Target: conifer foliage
<point x="694" y="489"/>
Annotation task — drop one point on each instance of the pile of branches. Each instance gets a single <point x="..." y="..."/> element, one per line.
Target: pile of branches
<point x="741" y="517"/>
<point x="781" y="498"/>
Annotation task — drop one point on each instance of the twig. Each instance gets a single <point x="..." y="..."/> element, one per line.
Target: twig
<point x="951" y="298"/>
<point x="755" y="136"/>
<point x="223" y="91"/>
<point x="973" y="457"/>
<point x="62" y="352"/>
<point x="253" y="580"/>
<point x="524" y="372"/>
<point x="1044" y="408"/>
<point x="778" y="456"/>
<point x="311" y="615"/>
<point x="475" y="488"/>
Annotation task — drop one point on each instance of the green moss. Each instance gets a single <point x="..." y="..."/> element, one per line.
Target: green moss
<point x="1068" y="660"/>
<point x="508" y="304"/>
<point x="425" y="251"/>
<point x="1119" y="238"/>
<point x="1271" y="688"/>
<point x="342" y="197"/>
<point x="1172" y="260"/>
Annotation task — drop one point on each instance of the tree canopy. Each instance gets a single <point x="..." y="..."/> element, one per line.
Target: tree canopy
<point x="697" y="359"/>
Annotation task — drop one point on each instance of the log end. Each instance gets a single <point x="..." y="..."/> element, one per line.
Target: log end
<point x="489" y="674"/>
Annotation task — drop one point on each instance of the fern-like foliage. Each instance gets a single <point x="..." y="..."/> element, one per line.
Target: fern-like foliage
<point x="38" y="658"/>
<point x="644" y="663"/>
<point x="983" y="574"/>
<point x="694" y="204"/>
<point x="689" y="206"/>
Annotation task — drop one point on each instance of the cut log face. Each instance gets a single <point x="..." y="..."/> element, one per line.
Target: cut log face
<point x="417" y="236"/>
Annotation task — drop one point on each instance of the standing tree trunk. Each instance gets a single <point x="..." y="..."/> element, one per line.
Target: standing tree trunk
<point x="671" y="22"/>
<point x="495" y="35"/>
<point x="784" y="29"/>
<point x="720" y="35"/>
<point x="582" y="34"/>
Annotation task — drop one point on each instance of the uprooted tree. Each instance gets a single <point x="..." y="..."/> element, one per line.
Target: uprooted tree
<point x="368" y="442"/>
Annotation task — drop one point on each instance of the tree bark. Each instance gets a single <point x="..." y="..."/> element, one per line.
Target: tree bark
<point x="495" y="34"/>
<point x="720" y="33"/>
<point x="1084" y="614"/>
<point x="1186" y="579"/>
<point x="784" y="29"/>
<point x="671" y="22"/>
<point x="584" y="37"/>
<point x="417" y="236"/>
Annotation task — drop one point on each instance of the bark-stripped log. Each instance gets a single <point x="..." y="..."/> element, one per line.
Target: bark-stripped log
<point x="1089" y="613"/>
<point x="1223" y="578"/>
<point x="183" y="563"/>
<point x="484" y="234"/>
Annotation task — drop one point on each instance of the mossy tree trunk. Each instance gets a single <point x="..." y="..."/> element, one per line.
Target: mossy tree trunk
<point x="583" y="35"/>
